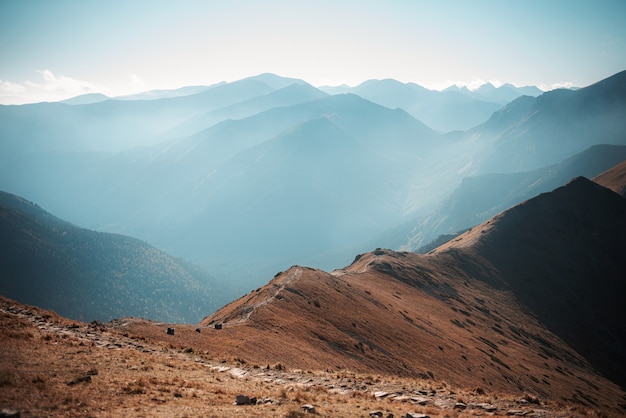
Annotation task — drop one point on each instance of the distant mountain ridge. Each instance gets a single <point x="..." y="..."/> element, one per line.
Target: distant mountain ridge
<point x="189" y="174"/>
<point x="480" y="197"/>
<point x="451" y="109"/>
<point x="572" y="120"/>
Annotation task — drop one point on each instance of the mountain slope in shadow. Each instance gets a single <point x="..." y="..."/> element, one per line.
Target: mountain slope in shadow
<point x="563" y="255"/>
<point x="88" y="275"/>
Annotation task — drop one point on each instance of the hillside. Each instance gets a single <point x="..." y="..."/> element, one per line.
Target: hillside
<point x="492" y="309"/>
<point x="575" y="237"/>
<point x="89" y="275"/>
<point x="521" y="315"/>
<point x="105" y="370"/>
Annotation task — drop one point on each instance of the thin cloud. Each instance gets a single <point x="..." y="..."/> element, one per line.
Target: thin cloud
<point x="6" y="87"/>
<point x="50" y="88"/>
<point x="557" y="85"/>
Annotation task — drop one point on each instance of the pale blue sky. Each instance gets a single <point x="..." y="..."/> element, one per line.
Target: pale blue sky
<point x="56" y="49"/>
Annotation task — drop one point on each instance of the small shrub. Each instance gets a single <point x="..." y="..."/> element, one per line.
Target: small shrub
<point x="295" y="413"/>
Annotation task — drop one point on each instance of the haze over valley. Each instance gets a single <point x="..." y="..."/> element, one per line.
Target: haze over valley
<point x="288" y="209"/>
<point x="247" y="178"/>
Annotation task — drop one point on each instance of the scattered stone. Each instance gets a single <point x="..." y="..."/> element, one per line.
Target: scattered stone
<point x="376" y="414"/>
<point x="516" y="412"/>
<point x="530" y="399"/>
<point x="178" y="395"/>
<point x="242" y="400"/>
<point x="10" y="413"/>
<point x="415" y="415"/>
<point x="419" y="400"/>
<point x="86" y="378"/>
<point x="308" y="408"/>
<point x="237" y="372"/>
<point x="198" y="330"/>
<point x="460" y="405"/>
<point x="218" y="326"/>
<point x="381" y="394"/>
<point x="170" y="331"/>
<point x="486" y="406"/>
<point x="159" y="400"/>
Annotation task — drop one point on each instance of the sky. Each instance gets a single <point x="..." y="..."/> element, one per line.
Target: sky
<point x="52" y="50"/>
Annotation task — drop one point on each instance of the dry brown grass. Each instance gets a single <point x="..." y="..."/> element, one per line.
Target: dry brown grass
<point x="54" y="367"/>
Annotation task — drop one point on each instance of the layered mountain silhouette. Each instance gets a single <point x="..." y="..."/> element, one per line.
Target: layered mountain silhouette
<point x="88" y="275"/>
<point x="478" y="198"/>
<point x="529" y="301"/>
<point x="556" y="125"/>
<point x="248" y="177"/>
<point x="451" y="109"/>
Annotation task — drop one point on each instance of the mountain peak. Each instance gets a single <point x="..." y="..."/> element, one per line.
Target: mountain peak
<point x="276" y="81"/>
<point x="84" y="99"/>
<point x="546" y="249"/>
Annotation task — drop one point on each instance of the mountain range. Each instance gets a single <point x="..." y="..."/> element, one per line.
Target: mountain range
<point x="530" y="301"/>
<point x="449" y="110"/>
<point x="246" y="177"/>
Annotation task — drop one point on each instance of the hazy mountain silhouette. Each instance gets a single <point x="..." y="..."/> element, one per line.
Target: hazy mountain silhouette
<point x="559" y="124"/>
<point x="447" y="110"/>
<point x="481" y="197"/>
<point x="89" y="275"/>
<point x="323" y="180"/>
<point x="505" y="93"/>
<point x="286" y="96"/>
<point x="110" y="125"/>
<point x="168" y="94"/>
<point x="84" y="99"/>
<point x="232" y="179"/>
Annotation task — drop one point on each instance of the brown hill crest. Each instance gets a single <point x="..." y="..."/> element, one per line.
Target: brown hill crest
<point x="510" y="305"/>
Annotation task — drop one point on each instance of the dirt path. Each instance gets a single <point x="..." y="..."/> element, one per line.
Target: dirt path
<point x="433" y="397"/>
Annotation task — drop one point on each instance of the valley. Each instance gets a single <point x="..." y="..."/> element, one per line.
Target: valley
<point x="169" y="253"/>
